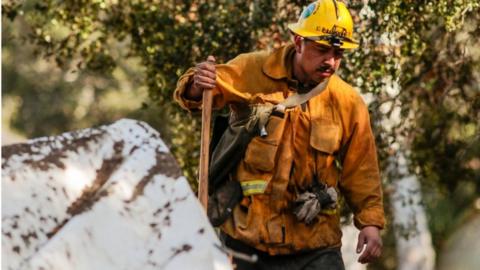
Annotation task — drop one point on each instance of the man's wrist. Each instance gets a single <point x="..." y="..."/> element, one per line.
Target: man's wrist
<point x="374" y="226"/>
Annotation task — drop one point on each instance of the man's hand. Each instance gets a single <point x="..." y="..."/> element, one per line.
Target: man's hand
<point x="370" y="237"/>
<point x="205" y="77"/>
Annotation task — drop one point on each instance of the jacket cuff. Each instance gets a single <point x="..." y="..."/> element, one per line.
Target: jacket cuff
<point x="370" y="217"/>
<point x="179" y="94"/>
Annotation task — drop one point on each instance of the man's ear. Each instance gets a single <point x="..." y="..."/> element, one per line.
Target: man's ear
<point x="298" y="40"/>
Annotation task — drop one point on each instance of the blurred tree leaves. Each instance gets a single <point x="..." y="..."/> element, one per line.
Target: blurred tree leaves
<point x="47" y="100"/>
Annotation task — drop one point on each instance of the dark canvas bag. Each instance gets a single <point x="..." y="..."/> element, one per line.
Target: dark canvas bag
<point x="225" y="192"/>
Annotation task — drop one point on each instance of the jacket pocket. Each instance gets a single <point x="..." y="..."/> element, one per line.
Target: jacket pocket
<point x="325" y="137"/>
<point x="261" y="152"/>
<point x="276" y="230"/>
<point x="243" y="214"/>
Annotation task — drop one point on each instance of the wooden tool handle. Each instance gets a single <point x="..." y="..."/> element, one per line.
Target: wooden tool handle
<point x="205" y="148"/>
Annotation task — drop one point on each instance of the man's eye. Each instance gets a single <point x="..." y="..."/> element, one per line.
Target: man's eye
<point x="338" y="53"/>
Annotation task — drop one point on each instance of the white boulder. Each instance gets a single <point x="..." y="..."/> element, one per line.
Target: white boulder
<point x="104" y="198"/>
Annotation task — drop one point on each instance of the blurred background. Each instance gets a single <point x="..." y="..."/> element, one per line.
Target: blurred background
<point x="68" y="65"/>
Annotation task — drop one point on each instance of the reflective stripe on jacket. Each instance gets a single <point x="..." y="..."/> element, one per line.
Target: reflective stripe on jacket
<point x="299" y="148"/>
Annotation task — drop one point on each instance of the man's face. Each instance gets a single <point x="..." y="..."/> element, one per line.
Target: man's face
<point x="316" y="61"/>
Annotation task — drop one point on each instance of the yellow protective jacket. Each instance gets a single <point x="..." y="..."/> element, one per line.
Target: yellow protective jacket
<point x="300" y="148"/>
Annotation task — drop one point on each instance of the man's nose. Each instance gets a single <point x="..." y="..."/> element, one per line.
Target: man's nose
<point x="330" y="57"/>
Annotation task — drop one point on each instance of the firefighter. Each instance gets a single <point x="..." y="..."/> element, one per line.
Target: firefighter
<point x="316" y="146"/>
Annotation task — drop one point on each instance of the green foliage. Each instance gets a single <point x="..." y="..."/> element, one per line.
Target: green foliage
<point x="429" y="49"/>
<point x="41" y="99"/>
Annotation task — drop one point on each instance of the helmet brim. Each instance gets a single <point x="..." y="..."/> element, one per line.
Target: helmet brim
<point x="346" y="43"/>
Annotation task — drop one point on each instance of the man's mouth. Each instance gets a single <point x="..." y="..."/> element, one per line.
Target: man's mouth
<point x="325" y="69"/>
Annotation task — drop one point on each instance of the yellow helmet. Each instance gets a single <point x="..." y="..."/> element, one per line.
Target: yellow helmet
<point x="326" y="22"/>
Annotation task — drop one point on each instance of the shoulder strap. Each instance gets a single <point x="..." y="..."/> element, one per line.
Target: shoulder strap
<point x="290" y="102"/>
<point x="297" y="99"/>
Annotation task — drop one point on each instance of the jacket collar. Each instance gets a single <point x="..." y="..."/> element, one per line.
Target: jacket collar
<point x="279" y="66"/>
<point x="280" y="63"/>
